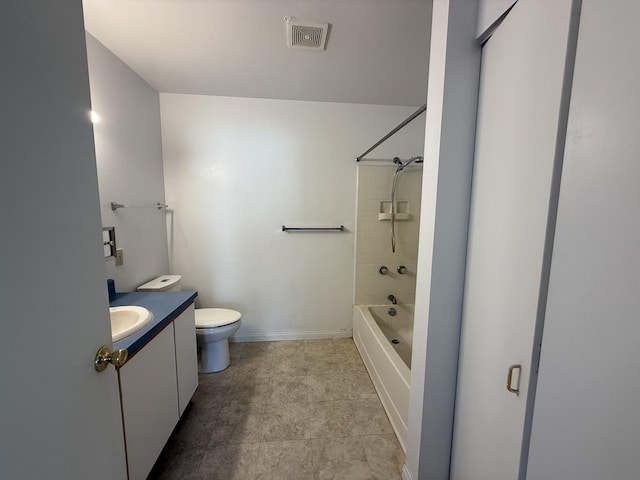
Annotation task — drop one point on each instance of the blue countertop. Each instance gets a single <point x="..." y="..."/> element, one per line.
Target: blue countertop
<point x="165" y="306"/>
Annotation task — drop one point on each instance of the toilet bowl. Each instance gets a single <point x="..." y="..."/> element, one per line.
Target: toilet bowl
<point x="214" y="326"/>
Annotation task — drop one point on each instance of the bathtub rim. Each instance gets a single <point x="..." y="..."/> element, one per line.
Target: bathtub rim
<point x="378" y="312"/>
<point x="398" y="421"/>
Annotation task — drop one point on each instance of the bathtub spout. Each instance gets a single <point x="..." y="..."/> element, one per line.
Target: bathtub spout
<point x="392" y="299"/>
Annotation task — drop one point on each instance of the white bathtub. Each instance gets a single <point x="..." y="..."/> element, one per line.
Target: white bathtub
<point x="388" y="363"/>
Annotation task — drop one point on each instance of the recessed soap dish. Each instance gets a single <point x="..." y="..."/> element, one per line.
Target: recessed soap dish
<point x="401" y="211"/>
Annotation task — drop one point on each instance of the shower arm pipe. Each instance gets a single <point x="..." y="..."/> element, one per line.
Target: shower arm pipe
<point x="406" y="121"/>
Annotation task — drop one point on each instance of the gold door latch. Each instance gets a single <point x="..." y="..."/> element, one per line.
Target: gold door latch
<point x="105" y="356"/>
<point x="510" y="387"/>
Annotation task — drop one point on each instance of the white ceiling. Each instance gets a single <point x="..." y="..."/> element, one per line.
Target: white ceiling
<point x="377" y="50"/>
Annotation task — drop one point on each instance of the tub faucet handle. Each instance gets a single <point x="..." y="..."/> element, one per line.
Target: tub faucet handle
<point x="402" y="269"/>
<point x="392" y="299"/>
<point x="383" y="270"/>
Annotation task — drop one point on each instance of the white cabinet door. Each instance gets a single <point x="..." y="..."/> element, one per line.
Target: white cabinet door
<point x="149" y="402"/>
<point x="186" y="356"/>
<point x="522" y="75"/>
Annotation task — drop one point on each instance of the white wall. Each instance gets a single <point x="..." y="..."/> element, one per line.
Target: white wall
<point x="489" y="12"/>
<point x="373" y="238"/>
<point x="586" y="423"/>
<point x="236" y="170"/>
<point x="446" y="185"/>
<point x="129" y="160"/>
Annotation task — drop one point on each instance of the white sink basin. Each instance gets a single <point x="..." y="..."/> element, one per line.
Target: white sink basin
<point x="128" y="320"/>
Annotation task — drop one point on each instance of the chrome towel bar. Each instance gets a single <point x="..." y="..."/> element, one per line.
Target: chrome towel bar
<point x="115" y="206"/>
<point x="313" y="229"/>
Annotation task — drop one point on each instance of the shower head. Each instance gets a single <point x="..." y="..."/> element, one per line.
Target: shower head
<point x="401" y="164"/>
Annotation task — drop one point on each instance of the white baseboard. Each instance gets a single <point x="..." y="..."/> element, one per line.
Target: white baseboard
<point x="271" y="337"/>
<point x="405" y="473"/>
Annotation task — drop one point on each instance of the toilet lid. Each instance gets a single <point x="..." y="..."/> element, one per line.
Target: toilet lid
<point x="215" y="317"/>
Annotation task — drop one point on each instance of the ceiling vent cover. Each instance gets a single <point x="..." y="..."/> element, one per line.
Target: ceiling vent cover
<point x="306" y="35"/>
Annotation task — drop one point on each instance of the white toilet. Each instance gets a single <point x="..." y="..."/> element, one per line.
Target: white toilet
<point x="214" y="326"/>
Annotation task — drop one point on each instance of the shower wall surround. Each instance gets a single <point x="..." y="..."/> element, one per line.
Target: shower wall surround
<point x="236" y="170"/>
<point x="373" y="243"/>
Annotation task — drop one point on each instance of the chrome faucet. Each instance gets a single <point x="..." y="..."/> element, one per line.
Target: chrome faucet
<point x="392" y="299"/>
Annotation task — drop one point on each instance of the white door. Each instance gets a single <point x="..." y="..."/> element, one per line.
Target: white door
<point x="520" y="90"/>
<point x="586" y="422"/>
<point x="59" y="418"/>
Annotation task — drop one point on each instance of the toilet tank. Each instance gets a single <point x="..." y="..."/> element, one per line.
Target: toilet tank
<point x="164" y="283"/>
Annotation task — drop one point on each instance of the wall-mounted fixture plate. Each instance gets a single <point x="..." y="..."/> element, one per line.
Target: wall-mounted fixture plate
<point x="119" y="257"/>
<point x="109" y="242"/>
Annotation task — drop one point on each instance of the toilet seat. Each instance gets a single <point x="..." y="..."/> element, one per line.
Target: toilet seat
<point x="215" y="317"/>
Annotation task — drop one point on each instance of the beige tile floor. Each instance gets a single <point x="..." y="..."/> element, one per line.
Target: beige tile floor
<point x="292" y="410"/>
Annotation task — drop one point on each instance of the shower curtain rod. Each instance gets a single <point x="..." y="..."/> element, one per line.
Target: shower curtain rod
<point x="407" y="120"/>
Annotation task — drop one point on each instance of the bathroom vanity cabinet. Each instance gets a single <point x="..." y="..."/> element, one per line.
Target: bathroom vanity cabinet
<point x="186" y="357"/>
<point x="156" y="385"/>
